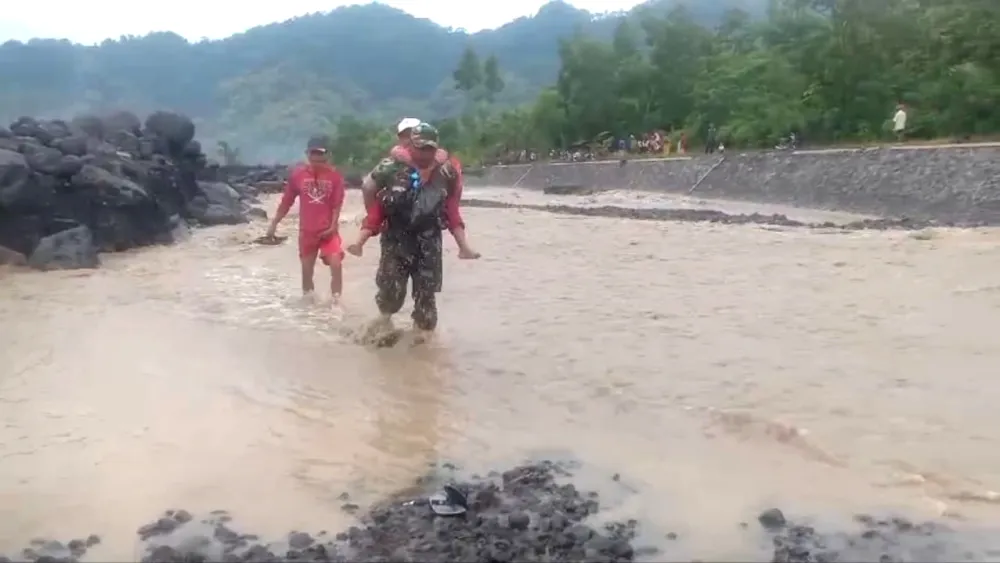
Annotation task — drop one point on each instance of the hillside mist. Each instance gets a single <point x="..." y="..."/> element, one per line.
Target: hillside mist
<point x="265" y="89"/>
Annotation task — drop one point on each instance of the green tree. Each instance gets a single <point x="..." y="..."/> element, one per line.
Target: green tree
<point x="358" y="145"/>
<point x="229" y="155"/>
<point x="493" y="83"/>
<point x="469" y="74"/>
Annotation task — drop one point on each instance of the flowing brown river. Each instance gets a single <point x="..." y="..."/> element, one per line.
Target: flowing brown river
<point x="720" y="369"/>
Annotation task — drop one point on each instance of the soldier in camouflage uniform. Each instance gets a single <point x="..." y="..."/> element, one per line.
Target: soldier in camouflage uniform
<point x="401" y="151"/>
<point x="417" y="197"/>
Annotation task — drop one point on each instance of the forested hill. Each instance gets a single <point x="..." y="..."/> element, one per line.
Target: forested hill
<point x="272" y="84"/>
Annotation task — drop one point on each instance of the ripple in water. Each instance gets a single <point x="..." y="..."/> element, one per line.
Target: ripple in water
<point x="258" y="297"/>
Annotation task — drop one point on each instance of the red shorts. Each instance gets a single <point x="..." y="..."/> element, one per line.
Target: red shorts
<point x="312" y="244"/>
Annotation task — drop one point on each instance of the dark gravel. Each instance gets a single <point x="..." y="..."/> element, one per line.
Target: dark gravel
<point x="529" y="513"/>
<point x="707" y="216"/>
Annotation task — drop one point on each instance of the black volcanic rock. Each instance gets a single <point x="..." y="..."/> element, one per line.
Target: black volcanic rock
<point x="70" y="190"/>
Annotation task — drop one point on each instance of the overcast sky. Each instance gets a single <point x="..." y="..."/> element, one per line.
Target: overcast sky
<point x="93" y="21"/>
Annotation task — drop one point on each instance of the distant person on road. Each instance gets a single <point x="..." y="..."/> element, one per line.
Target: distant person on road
<point x="899" y="123"/>
<point x="416" y="198"/>
<point x="711" y="139"/>
<point x="319" y="187"/>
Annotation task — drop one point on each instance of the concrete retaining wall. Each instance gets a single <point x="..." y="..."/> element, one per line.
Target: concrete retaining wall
<point x="953" y="184"/>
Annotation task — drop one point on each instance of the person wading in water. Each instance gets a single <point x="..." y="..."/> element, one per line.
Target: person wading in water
<point x="417" y="196"/>
<point x="319" y="187"/>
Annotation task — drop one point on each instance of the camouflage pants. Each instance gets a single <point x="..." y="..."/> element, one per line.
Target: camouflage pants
<point x="405" y="257"/>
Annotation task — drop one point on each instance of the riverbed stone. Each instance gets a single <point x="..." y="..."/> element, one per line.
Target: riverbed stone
<point x="71" y="249"/>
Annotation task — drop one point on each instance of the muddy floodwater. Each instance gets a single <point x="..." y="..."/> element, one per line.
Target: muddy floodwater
<point x="720" y="369"/>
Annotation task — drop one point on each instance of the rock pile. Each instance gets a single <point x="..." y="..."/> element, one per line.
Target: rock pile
<point x="524" y="514"/>
<point x="886" y="540"/>
<point x="69" y="190"/>
<point x="520" y="515"/>
<point x="252" y="180"/>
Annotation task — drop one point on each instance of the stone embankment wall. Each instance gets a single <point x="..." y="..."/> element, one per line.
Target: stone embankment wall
<point x="957" y="184"/>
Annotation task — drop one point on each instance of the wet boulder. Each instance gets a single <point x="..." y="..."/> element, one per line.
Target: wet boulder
<point x="209" y="214"/>
<point x="192" y="149"/>
<point x="44" y="160"/>
<point x="250" y="181"/>
<point x="27" y="144"/>
<point x="13" y="168"/>
<point x="98" y="147"/>
<point x="68" y="166"/>
<point x="35" y="194"/>
<point x="148" y="148"/>
<point x="19" y="189"/>
<point x="66" y="250"/>
<point x="75" y="145"/>
<point x="220" y="193"/>
<point x="21" y="229"/>
<point x="218" y="204"/>
<point x="10" y="144"/>
<point x="124" y="141"/>
<point x="122" y="121"/>
<point x="32" y="128"/>
<point x="10" y="257"/>
<point x="56" y="129"/>
<point x="176" y="129"/>
<point x="107" y="187"/>
<point x="89" y="125"/>
<point x="129" y="185"/>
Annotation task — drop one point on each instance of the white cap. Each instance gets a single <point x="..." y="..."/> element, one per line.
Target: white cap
<point x="407" y="123"/>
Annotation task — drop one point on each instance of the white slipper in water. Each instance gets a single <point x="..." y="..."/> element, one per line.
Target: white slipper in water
<point x="449" y="502"/>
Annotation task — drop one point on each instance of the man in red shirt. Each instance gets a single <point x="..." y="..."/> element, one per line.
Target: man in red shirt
<point x="319" y="187"/>
<point x="416" y="198"/>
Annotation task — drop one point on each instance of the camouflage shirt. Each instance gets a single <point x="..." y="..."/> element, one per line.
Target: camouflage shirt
<point x="388" y="172"/>
<point x="393" y="172"/>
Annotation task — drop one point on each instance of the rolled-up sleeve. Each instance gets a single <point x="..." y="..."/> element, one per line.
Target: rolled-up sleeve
<point x="452" y="205"/>
<point x="290" y="193"/>
<point x="380" y="177"/>
<point x="374" y="218"/>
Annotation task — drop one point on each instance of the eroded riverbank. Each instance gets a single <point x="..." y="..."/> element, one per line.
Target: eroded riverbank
<point x="948" y="184"/>
<point x="721" y="369"/>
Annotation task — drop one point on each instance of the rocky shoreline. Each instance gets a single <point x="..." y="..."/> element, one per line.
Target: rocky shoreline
<point x="706" y="216"/>
<point x="528" y="513"/>
<point x="71" y="190"/>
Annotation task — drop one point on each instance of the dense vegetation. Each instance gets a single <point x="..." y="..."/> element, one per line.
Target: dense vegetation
<point x="830" y="70"/>
<point x="827" y="70"/>
<point x="268" y="88"/>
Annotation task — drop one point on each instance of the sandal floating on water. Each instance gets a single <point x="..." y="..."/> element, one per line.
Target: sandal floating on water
<point x="449" y="502"/>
